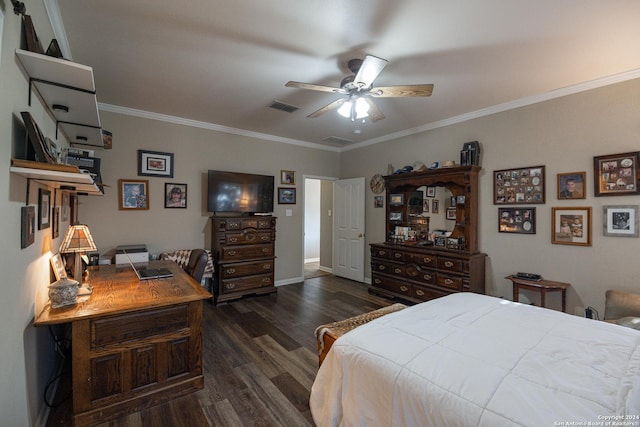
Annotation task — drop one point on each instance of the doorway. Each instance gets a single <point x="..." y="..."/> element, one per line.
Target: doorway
<point x="318" y="227"/>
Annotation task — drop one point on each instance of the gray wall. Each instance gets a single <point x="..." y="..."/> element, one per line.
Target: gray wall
<point x="563" y="134"/>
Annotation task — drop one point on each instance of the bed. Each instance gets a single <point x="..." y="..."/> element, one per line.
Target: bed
<point x="473" y="360"/>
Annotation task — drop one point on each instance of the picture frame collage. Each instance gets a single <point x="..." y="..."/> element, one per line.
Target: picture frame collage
<point x="613" y="175"/>
<point x="287" y="195"/>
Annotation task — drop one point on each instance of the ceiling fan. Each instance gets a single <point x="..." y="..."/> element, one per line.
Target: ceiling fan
<point x="359" y="90"/>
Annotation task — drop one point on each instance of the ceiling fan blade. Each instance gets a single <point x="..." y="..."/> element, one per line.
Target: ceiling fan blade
<point x="310" y="86"/>
<point x="401" y="91"/>
<point x="370" y="69"/>
<point x="374" y="113"/>
<point x="335" y="104"/>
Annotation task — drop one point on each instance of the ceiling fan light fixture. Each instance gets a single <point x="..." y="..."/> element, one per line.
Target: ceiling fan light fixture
<point x="355" y="110"/>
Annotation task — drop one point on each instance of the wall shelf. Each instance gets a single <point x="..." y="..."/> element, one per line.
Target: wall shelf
<point x="68" y="90"/>
<point x="57" y="176"/>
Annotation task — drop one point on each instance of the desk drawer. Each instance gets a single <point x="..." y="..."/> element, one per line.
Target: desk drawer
<point x="231" y="253"/>
<point x="245" y="268"/>
<point x="242" y="223"/>
<point x="138" y="326"/>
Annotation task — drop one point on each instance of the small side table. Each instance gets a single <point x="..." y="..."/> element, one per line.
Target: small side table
<point x="542" y="286"/>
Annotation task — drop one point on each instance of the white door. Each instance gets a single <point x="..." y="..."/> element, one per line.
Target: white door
<point x="348" y="231"/>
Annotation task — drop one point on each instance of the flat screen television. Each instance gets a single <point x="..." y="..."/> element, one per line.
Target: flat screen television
<point x="239" y="192"/>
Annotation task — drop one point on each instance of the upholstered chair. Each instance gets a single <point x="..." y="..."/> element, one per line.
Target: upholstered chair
<point x="622" y="308"/>
<point x="197" y="263"/>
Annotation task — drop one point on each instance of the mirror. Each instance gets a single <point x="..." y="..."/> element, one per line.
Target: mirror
<point x="421" y="205"/>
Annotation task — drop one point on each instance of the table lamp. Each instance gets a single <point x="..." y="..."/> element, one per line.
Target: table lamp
<point x="78" y="240"/>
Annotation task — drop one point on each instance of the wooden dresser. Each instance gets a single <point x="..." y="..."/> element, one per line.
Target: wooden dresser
<point x="418" y="274"/>
<point x="423" y="268"/>
<point x="134" y="343"/>
<point x="243" y="251"/>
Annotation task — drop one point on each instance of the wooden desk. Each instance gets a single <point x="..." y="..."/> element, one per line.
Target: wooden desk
<point x="542" y="286"/>
<point x="134" y="343"/>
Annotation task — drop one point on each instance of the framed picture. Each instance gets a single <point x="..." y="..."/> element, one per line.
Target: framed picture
<point x="431" y="191"/>
<point x="451" y="213"/>
<point x="58" y="267"/>
<point x="425" y="205"/>
<point x="395" y="216"/>
<point x="616" y="174"/>
<point x="36" y="139"/>
<point x="571" y="226"/>
<point x="65" y="206"/>
<point x="396" y="200"/>
<point x="44" y="208"/>
<point x="517" y="220"/>
<point x="155" y="163"/>
<point x="287" y="177"/>
<point x="175" y="195"/>
<point x="519" y="186"/>
<point x="28" y="226"/>
<point x="620" y="221"/>
<point x="571" y="185"/>
<point x="435" y="206"/>
<point x="55" y="227"/>
<point x="133" y="194"/>
<point x="378" y="201"/>
<point x="286" y="196"/>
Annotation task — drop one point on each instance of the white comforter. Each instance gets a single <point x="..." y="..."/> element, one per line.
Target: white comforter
<point x="473" y="360"/>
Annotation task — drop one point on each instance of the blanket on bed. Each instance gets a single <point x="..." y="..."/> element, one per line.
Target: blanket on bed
<point x="474" y="360"/>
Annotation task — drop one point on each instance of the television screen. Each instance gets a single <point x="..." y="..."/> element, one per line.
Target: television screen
<point x="239" y="192"/>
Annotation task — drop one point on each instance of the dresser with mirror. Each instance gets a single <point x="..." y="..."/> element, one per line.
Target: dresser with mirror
<point x="431" y="236"/>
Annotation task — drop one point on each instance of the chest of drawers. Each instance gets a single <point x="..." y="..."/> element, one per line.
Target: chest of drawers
<point x="418" y="274"/>
<point x="244" y="256"/>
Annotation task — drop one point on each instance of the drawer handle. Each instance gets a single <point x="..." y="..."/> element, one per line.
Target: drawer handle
<point x="266" y="266"/>
<point x="426" y="259"/>
<point x="381" y="267"/>
<point x="232" y="253"/>
<point x="448" y="264"/>
<point x="428" y="277"/>
<point x="264" y="238"/>
<point x="382" y="252"/>
<point x="234" y="225"/>
<point x="233" y="239"/>
<point x="266" y="280"/>
<point x="419" y="293"/>
<point x="404" y="288"/>
<point x="448" y="281"/>
<point x="231" y="270"/>
<point x="397" y="270"/>
<point x="397" y="255"/>
<point x="230" y="285"/>
<point x="266" y="250"/>
<point x="378" y="281"/>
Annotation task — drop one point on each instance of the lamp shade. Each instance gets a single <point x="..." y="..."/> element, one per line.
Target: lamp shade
<point x="77" y="239"/>
<point x="355" y="109"/>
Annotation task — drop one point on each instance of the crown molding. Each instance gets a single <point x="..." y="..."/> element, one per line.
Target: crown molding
<point x="210" y="126"/>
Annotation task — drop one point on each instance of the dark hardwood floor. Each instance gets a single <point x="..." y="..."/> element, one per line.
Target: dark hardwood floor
<point x="259" y="356"/>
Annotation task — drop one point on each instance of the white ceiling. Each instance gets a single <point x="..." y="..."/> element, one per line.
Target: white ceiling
<point x="219" y="64"/>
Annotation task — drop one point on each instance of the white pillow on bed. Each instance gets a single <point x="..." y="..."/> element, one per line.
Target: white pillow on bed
<point x="629" y="321"/>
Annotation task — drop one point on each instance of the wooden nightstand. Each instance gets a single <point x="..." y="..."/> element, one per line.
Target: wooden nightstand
<point x="542" y="286"/>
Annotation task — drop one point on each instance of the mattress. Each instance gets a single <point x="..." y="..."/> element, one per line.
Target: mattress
<point x="468" y="359"/>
